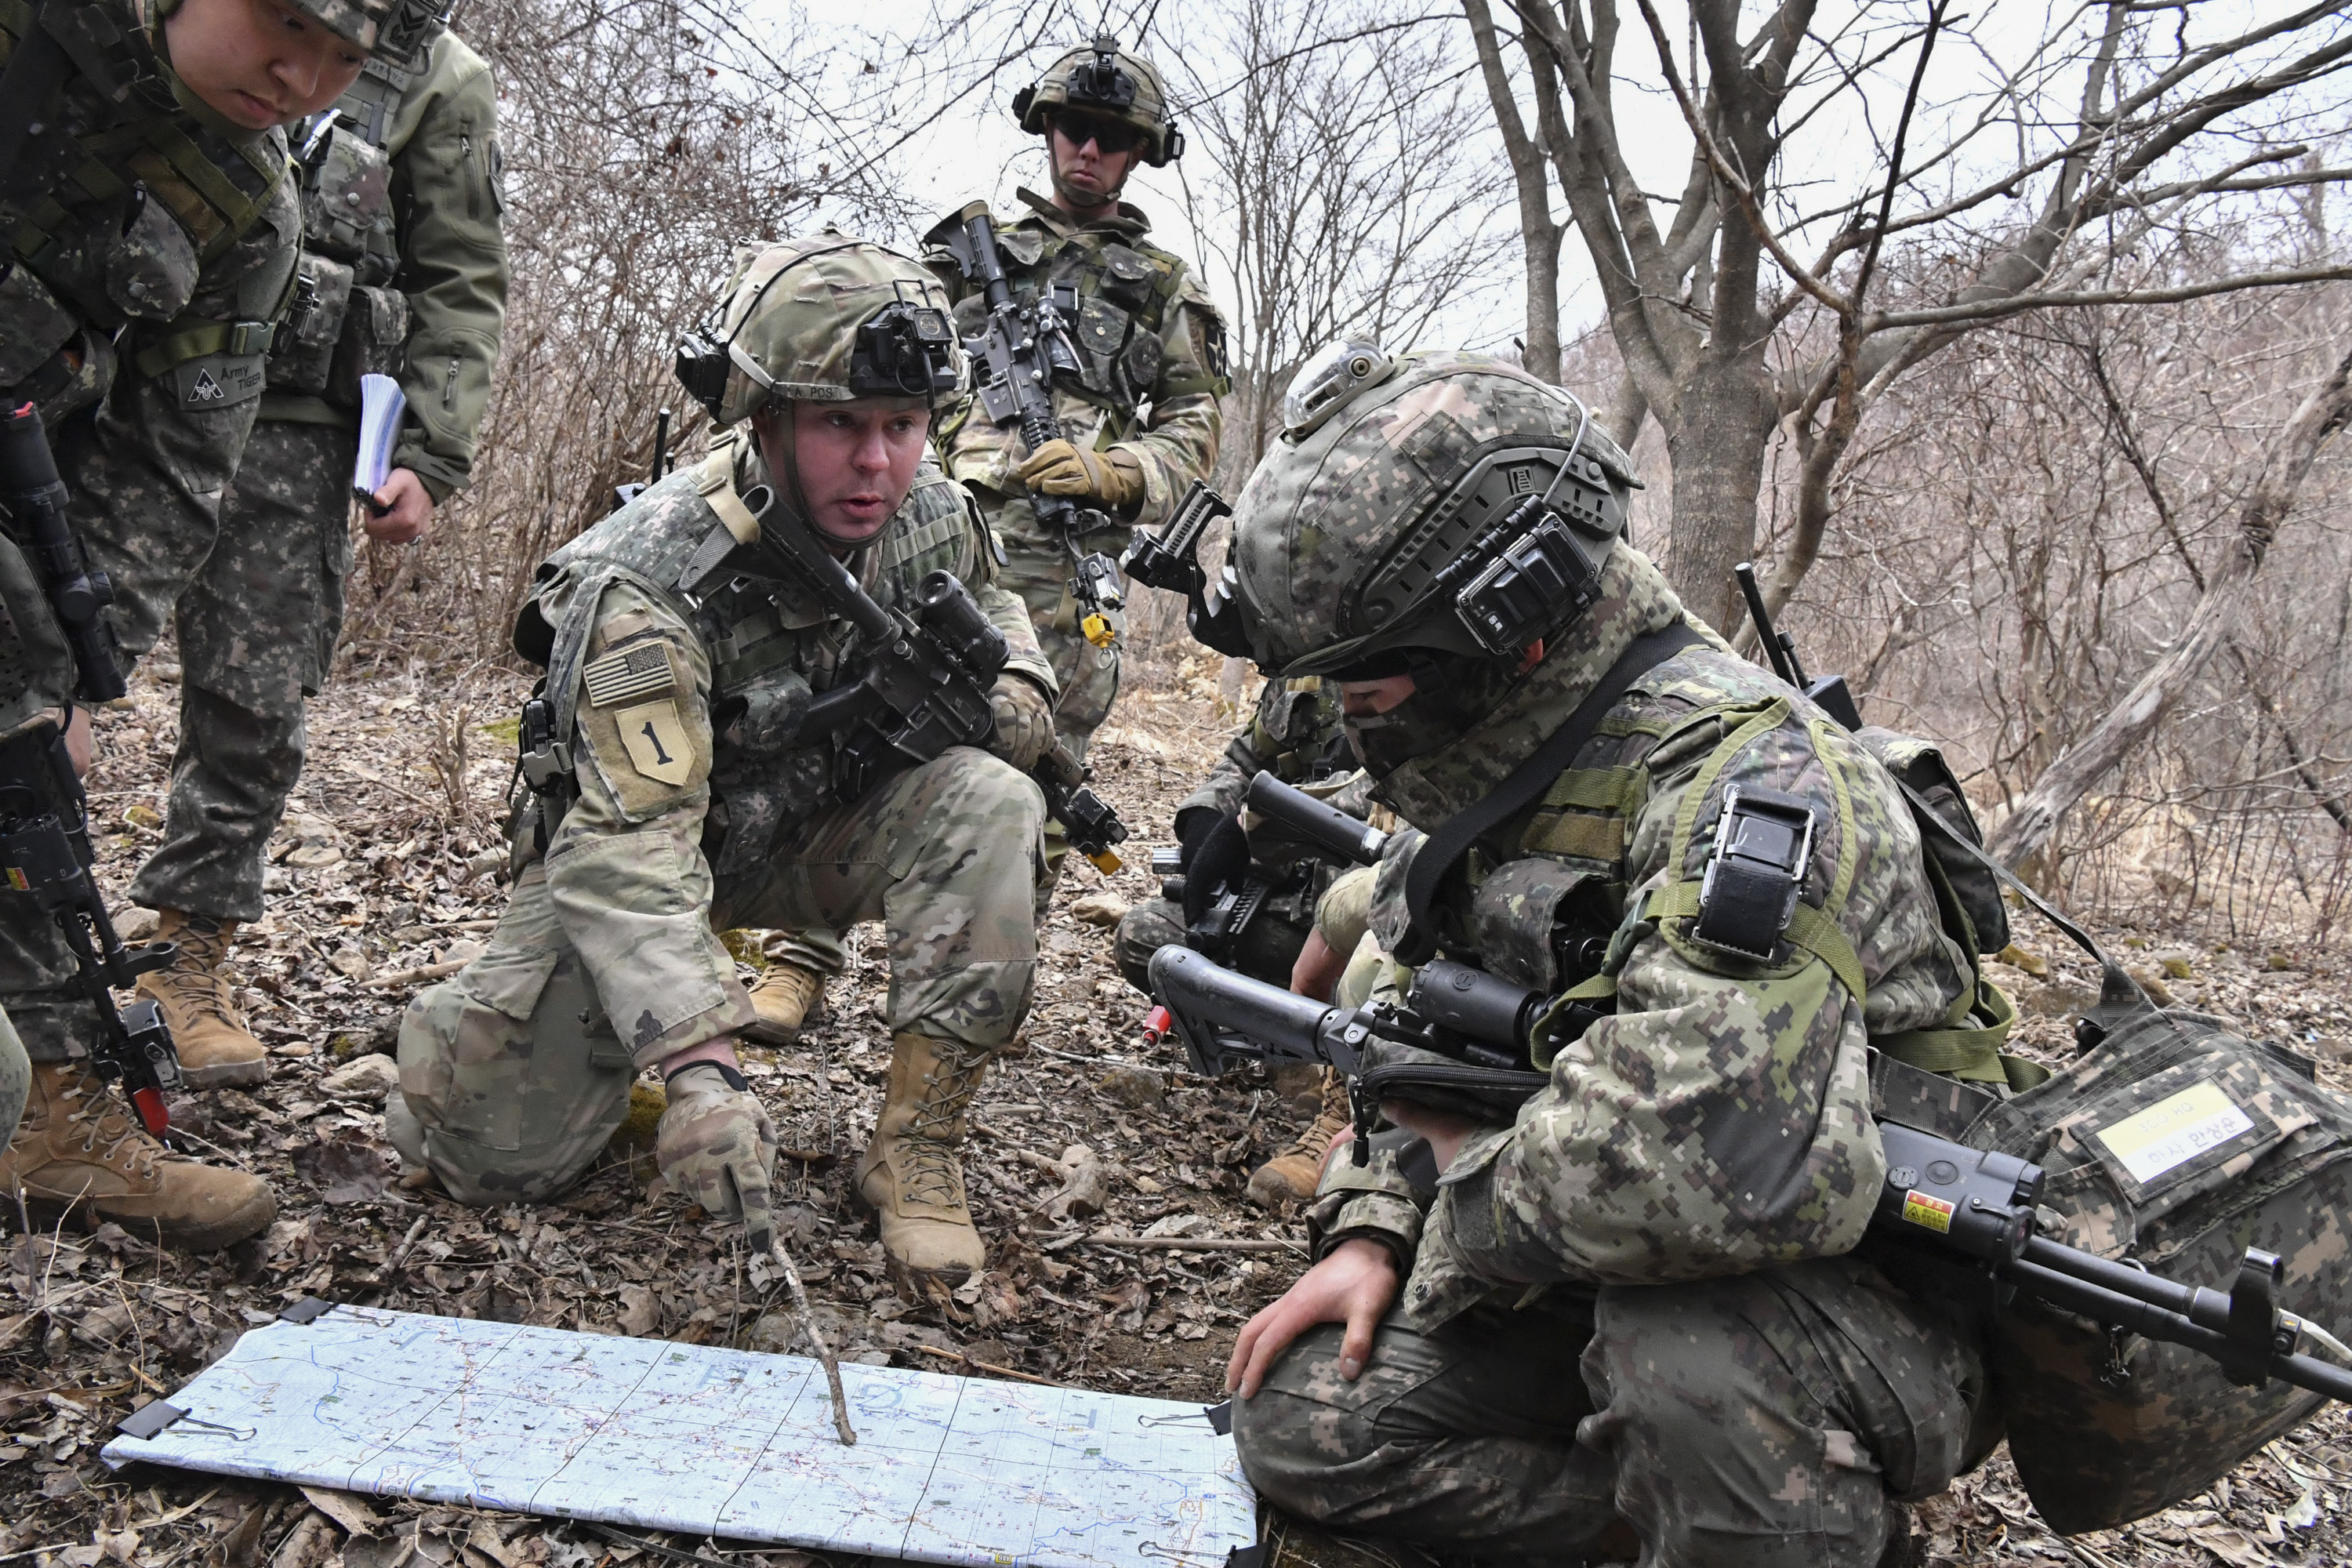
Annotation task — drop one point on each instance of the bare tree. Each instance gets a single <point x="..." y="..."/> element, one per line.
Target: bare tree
<point x="2122" y="127"/>
<point x="643" y="142"/>
<point x="1340" y="186"/>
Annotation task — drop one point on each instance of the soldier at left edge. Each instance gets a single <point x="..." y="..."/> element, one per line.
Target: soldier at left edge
<point x="405" y="272"/>
<point x="154" y="231"/>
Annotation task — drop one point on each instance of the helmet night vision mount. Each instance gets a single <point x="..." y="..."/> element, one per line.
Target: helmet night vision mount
<point x="905" y="350"/>
<point x="1102" y="79"/>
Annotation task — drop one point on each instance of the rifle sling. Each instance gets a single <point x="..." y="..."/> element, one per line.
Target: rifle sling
<point x="1444" y="848"/>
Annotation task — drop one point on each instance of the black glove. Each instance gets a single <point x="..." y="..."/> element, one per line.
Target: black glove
<point x="1221" y="860"/>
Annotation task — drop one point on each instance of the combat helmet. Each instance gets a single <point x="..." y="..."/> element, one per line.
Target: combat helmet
<point x="824" y="320"/>
<point x="1116" y="83"/>
<point x="1452" y="507"/>
<point x="375" y="25"/>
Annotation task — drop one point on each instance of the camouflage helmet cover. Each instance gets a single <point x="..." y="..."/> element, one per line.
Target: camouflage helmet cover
<point x="1370" y="533"/>
<point x="362" y="24"/>
<point x="1103" y="79"/>
<point x="828" y="319"/>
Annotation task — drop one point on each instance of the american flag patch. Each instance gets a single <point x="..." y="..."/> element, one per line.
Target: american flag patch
<point x="641" y="669"/>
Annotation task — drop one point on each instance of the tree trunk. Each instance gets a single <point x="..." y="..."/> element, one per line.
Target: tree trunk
<point x="1722" y="421"/>
<point x="2115" y="736"/>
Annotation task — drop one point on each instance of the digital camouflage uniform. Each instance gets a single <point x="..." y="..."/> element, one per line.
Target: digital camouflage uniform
<point x="1637" y="1299"/>
<point x="145" y="281"/>
<point x="515" y="1072"/>
<point x="1295" y="734"/>
<point x="410" y="280"/>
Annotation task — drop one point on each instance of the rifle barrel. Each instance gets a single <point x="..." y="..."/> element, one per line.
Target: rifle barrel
<point x="2137" y="1315"/>
<point x="1326" y="827"/>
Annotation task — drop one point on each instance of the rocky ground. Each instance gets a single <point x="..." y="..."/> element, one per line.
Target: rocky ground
<point x="387" y="876"/>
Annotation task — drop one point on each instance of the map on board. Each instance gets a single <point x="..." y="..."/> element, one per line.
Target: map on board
<point x="736" y="1444"/>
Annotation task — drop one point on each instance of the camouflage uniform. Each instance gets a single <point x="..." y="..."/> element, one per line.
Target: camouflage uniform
<point x="1676" y="1207"/>
<point x="258" y="626"/>
<point x="1147" y="333"/>
<point x="515" y="1072"/>
<point x="1295" y="734"/>
<point x="141" y="301"/>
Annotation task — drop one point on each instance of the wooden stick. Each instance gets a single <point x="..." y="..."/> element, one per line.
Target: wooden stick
<point x="816" y="1338"/>
<point x="1189" y="1243"/>
<point x="962" y="1359"/>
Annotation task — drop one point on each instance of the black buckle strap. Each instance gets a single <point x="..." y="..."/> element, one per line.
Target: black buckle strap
<point x="1444" y="848"/>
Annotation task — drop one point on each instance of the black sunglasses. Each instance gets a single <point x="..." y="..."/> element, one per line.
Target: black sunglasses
<point x="1108" y="135"/>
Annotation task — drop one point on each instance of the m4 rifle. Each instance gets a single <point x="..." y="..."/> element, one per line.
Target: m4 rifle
<point x="923" y="685"/>
<point x="1233" y="892"/>
<point x="45" y="849"/>
<point x="1019" y="348"/>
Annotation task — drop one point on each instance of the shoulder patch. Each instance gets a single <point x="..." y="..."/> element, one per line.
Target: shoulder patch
<point x="640" y="669"/>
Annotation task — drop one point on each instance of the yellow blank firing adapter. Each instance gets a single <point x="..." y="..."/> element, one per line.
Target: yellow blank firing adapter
<point x="1098" y="630"/>
<point x="1108" y="864"/>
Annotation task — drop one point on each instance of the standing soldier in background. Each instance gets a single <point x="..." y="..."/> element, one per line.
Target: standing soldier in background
<point x="405" y="271"/>
<point x="1139" y="409"/>
<point x="153" y="234"/>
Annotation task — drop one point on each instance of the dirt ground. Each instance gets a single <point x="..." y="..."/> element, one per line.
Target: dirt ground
<point x="387" y="875"/>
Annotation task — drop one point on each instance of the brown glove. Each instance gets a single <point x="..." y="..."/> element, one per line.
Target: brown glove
<point x="1024" y="720"/>
<point x="1113" y="477"/>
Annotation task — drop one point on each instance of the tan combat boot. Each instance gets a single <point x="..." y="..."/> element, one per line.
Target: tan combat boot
<point x="785" y="996"/>
<point x="216" y="1051"/>
<point x="79" y="1146"/>
<point x="911" y="1176"/>
<point x="1293" y="1175"/>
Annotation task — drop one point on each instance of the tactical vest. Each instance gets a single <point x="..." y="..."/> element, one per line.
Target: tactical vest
<point x="118" y="203"/>
<point x="1117" y="296"/>
<point x="348" y="322"/>
<point x="690" y="540"/>
<point x="1553" y="916"/>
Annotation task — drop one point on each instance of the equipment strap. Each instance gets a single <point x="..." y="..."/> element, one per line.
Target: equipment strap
<point x="198" y="337"/>
<point x="2116" y="980"/>
<point x="1444" y="848"/>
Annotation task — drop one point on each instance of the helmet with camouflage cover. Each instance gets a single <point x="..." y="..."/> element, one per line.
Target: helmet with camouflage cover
<point x="1454" y="507"/>
<point x="824" y="320"/>
<point x="1118" y="84"/>
<point x="362" y="24"/>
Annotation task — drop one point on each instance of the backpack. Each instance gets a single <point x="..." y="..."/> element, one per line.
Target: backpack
<point x="2172" y="1142"/>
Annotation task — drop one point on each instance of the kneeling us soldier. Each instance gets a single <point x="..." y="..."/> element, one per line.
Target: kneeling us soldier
<point x="682" y="654"/>
<point x="1636" y="1302"/>
<point x="1137" y="399"/>
<point x="152" y="232"/>
<point x="405" y="271"/>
